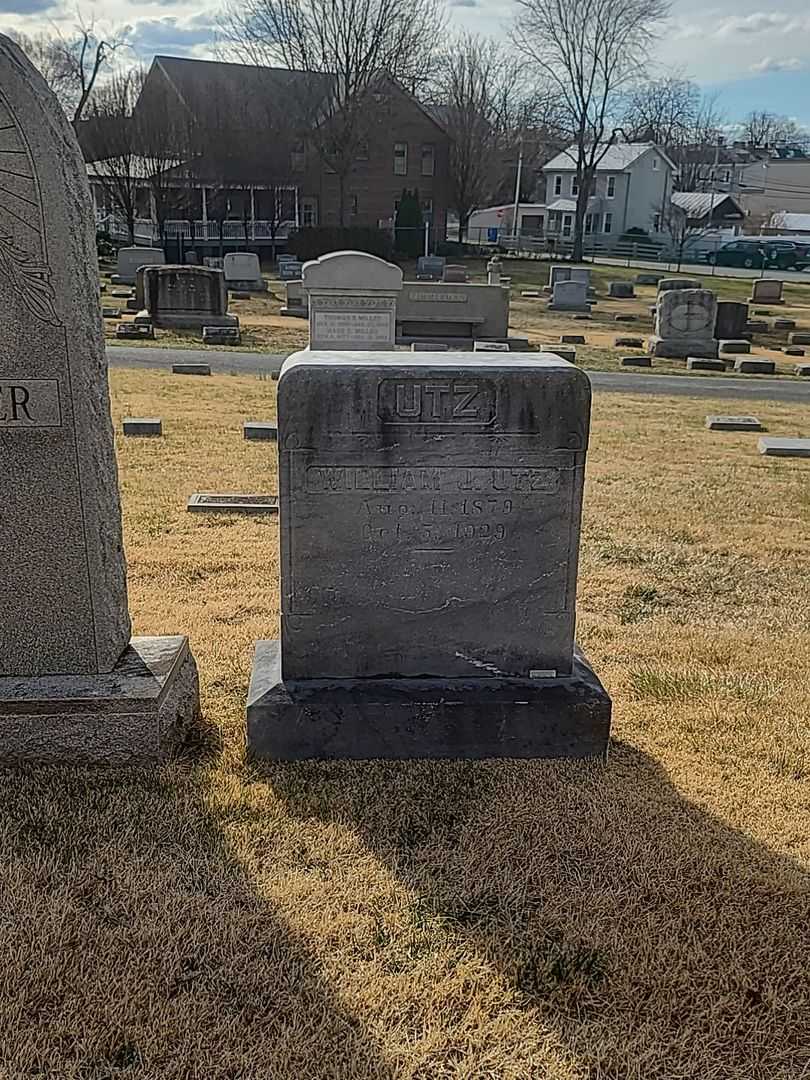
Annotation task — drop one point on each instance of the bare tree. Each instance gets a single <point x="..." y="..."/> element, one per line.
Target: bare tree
<point x="71" y="65"/>
<point x="589" y="51"/>
<point x="763" y="130"/>
<point x="474" y="97"/>
<point x="662" y="111"/>
<point x="355" y="45"/>
<point x="113" y="144"/>
<point x="682" y="229"/>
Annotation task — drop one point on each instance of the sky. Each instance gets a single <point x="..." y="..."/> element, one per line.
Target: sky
<point x="752" y="56"/>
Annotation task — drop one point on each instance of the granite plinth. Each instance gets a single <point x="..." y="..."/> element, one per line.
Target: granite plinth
<point x="776" y="446"/>
<point x="292" y="720"/>
<point x="734" y="423"/>
<point x="259" y="430"/>
<point x="134" y="715"/>
<point x="143" y="426"/>
<point x="681" y="348"/>
<point x="755" y="367"/>
<point x="737" y="346"/>
<point x="184" y="320"/>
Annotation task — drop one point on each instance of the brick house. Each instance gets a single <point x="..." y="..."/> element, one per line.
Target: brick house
<point x="254" y="172"/>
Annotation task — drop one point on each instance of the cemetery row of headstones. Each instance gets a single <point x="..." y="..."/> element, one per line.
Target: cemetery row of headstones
<point x="420" y="616"/>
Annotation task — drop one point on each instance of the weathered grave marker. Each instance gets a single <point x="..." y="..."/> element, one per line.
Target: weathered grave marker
<point x="260" y="431"/>
<point x="243" y="272"/>
<point x="779" y="446"/>
<point x="730" y="321"/>
<point x="430" y="519"/>
<point x="209" y="503"/>
<point x="753" y="366"/>
<point x="684" y="324"/>
<point x="733" y="423"/>
<point x="73" y="686"/>
<point x="143" y="426"/>
<point x="352" y="301"/>
<point x="767" y="291"/>
<point x="185" y="298"/>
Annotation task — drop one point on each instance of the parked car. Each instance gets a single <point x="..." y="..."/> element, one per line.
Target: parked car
<point x="759" y="252"/>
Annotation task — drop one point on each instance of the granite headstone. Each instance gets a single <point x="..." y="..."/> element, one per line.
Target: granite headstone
<point x="684" y="324"/>
<point x="185" y="298"/>
<point x="430" y="517"/>
<point x="352" y="301"/>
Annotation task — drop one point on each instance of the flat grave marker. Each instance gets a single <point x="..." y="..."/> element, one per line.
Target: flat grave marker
<point x="204" y="502"/>
<point x="781" y="446"/>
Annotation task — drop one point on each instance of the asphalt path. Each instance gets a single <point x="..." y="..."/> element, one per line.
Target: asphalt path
<point x="705" y="270"/>
<point x="618" y="382"/>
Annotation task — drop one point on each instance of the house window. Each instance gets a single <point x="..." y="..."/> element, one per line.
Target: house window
<point x="427" y="207"/>
<point x="727" y="176"/>
<point x="608" y="226"/>
<point x="362" y="152"/>
<point x="297" y="158"/>
<point x="558" y="185"/>
<point x="428" y="159"/>
<point x="589" y="223"/>
<point x="567" y="225"/>
<point x="574" y="185"/>
<point x="655" y="164"/>
<point x="611" y="187"/>
<point x="309" y="213"/>
<point x="400" y="159"/>
<point x="656" y="223"/>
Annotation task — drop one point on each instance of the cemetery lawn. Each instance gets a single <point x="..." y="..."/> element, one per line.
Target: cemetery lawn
<point x="264" y="329"/>
<point x="643" y="919"/>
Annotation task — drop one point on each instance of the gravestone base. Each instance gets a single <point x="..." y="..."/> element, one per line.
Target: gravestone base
<point x="247" y="285"/>
<point x="134" y="715"/>
<point x="680" y="348"/>
<point x="184" y="320"/>
<point x="424" y="718"/>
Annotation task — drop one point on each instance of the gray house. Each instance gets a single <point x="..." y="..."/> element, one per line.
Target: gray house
<point x="634" y="182"/>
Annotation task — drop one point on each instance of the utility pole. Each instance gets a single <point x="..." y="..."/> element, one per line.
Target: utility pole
<point x="516" y="208"/>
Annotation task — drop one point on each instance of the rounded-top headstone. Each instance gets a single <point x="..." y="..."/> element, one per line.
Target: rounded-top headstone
<point x="63" y="591"/>
<point x="351" y="270"/>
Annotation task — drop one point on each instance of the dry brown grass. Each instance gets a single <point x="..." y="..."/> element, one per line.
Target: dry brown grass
<point x="643" y="920"/>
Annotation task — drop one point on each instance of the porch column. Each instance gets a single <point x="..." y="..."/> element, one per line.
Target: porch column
<point x="204" y="207"/>
<point x="253" y="213"/>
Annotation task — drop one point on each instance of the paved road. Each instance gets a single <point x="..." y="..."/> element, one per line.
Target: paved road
<point x="621" y="382"/>
<point x="704" y="270"/>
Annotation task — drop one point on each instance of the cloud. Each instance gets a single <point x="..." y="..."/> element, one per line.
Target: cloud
<point x="176" y="36"/>
<point x="464" y="3"/>
<point x="758" y="22"/>
<point x="770" y="64"/>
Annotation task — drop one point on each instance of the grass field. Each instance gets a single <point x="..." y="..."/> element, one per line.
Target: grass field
<point x="641" y="920"/>
<point x="265" y="329"/>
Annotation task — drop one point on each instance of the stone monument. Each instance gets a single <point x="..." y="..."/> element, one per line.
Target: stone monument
<point x="243" y="272"/>
<point x="684" y="324"/>
<point x="130" y="259"/>
<point x="430" y="511"/>
<point x="352" y="301"/>
<point x="73" y="686"/>
<point x="570" y="295"/>
<point x="731" y="321"/>
<point x="185" y="298"/>
<point x="767" y="291"/>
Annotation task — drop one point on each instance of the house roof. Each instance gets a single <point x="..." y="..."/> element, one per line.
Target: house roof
<point x="617" y="157"/>
<point x="700" y="204"/>
<point x="784" y="220"/>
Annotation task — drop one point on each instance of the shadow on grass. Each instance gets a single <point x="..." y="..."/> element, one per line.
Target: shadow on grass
<point x="132" y="942"/>
<point x="657" y="941"/>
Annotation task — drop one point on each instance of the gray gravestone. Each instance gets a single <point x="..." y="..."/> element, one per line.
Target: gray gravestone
<point x="733" y="423"/>
<point x="570" y="296"/>
<point x="142" y="426"/>
<point x="260" y="431"/>
<point x="131" y="259"/>
<point x="352" y="301"/>
<point x="621" y="290"/>
<point x="673" y="284"/>
<point x="775" y="446"/>
<point x="636" y="361"/>
<point x="767" y="291"/>
<point x="648" y="279"/>
<point x="72" y="686"/>
<point x="455" y="273"/>
<point x="430" y="517"/>
<point x="784" y="324"/>
<point x="753" y="366"/>
<point x="684" y="324"/>
<point x="799" y="338"/>
<point x="731" y="320"/>
<point x="191" y="368"/>
<point x="697" y="363"/>
<point x="430" y="267"/>
<point x="185" y="298"/>
<point x="731" y="347"/>
<point x="243" y="272"/>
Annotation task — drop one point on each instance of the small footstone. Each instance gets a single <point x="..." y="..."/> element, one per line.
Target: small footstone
<point x="800" y="338"/>
<point x="121" y="294"/>
<point x="733" y="423"/>
<point x="784" y="324"/>
<point x="221" y="335"/>
<point x="793" y="350"/>
<point x="135" y="331"/>
<point x="191" y="369"/>
<point x="697" y="363"/>
<point x="582" y="318"/>
<point x="143" y="426"/>
<point x="629" y="342"/>
<point x="429" y="346"/>
<point x="569" y="354"/>
<point x="802" y="369"/>
<point x="636" y="361"/>
<point x="207" y="503"/>
<point x="258" y="431"/>
<point x="531" y="294"/>
<point x="572" y="339"/>
<point x="110" y="313"/>
<point x="240" y="296"/>
<point x="625" y="318"/>
<point x="762" y="311"/>
<point x="775" y="446"/>
<point x="755" y="367"/>
<point x="757" y="326"/>
<point x="737" y="346"/>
